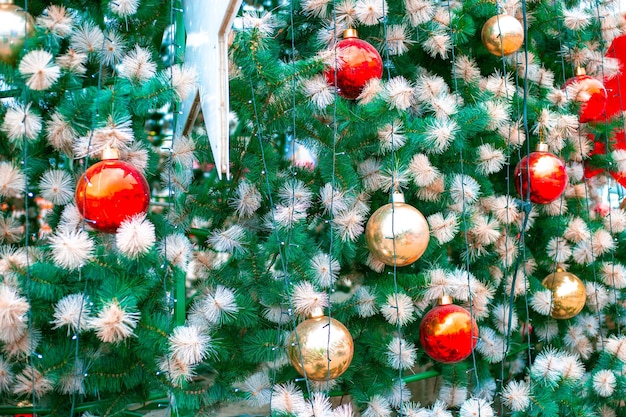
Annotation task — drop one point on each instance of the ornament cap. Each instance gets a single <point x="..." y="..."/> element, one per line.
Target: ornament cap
<point x="559" y="269"/>
<point x="542" y="147"/>
<point x="444" y="300"/>
<point x="109" y="153"/>
<point x="580" y="71"/>
<point x="316" y="312"/>
<point x="350" y="33"/>
<point x="397" y="197"/>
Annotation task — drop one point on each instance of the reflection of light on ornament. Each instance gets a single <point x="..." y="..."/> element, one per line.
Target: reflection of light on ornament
<point x="454" y="322"/>
<point x="544" y="166"/>
<point x="568" y="287"/>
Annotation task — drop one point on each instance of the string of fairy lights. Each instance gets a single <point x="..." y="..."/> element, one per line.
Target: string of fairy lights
<point x="283" y="246"/>
<point x="609" y="215"/>
<point x="521" y="247"/>
<point x="394" y="273"/>
<point x="464" y="212"/>
<point x="27" y="195"/>
<point x="170" y="294"/>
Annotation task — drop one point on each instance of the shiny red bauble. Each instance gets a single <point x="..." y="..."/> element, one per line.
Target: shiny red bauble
<point x="591" y="95"/>
<point x="616" y="101"/>
<point x="357" y="63"/>
<point x="540" y="176"/>
<point x="448" y="332"/>
<point x="109" y="192"/>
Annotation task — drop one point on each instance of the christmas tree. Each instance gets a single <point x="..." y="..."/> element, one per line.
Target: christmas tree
<point x="416" y="190"/>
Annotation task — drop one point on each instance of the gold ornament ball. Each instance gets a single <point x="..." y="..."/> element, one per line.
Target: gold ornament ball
<point x="397" y="231"/>
<point x="568" y="294"/>
<point x="502" y="35"/>
<point x="15" y="26"/>
<point x="320" y="348"/>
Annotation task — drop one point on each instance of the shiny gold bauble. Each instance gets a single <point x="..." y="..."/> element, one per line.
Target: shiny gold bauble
<point x="502" y="35"/>
<point x="320" y="348"/>
<point x="568" y="294"/>
<point x="397" y="232"/>
<point x="15" y="26"/>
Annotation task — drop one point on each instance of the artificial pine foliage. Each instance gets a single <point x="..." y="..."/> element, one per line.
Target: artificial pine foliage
<point x="190" y="306"/>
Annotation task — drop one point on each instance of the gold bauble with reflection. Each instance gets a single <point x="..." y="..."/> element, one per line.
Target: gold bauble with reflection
<point x="15" y="26"/>
<point x="320" y="348"/>
<point x="502" y="35"/>
<point x="397" y="232"/>
<point x="568" y="294"/>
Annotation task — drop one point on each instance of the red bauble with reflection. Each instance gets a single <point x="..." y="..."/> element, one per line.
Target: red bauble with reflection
<point x="591" y="95"/>
<point x="110" y="191"/>
<point x="358" y="62"/>
<point x="544" y="173"/>
<point x="448" y="332"/>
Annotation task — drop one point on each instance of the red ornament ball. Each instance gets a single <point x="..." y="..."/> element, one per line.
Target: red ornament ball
<point x="109" y="192"/>
<point x="544" y="173"/>
<point x="448" y="333"/>
<point x="357" y="63"/>
<point x="591" y="95"/>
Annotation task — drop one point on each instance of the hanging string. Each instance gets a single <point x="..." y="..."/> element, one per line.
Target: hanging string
<point x="282" y="245"/>
<point x="172" y="301"/>
<point x="607" y="144"/>
<point x="80" y="373"/>
<point x="387" y="66"/>
<point x="470" y="301"/>
<point x="27" y="195"/>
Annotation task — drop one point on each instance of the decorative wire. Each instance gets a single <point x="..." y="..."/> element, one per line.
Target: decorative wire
<point x="177" y="298"/>
<point x="333" y="179"/>
<point x="393" y="211"/>
<point x="282" y="251"/>
<point x="94" y="117"/>
<point x="463" y="205"/>
<point x="593" y="256"/>
<point x="27" y="232"/>
<point x="527" y="209"/>
<point x="510" y="301"/>
<point x="618" y="324"/>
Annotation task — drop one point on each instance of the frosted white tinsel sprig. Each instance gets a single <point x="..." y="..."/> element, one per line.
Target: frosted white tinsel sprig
<point x="39" y="70"/>
<point x="57" y="20"/>
<point x="176" y="249"/>
<point x="216" y="307"/>
<point x="257" y="389"/>
<point x="288" y="399"/>
<point x="57" y="186"/>
<point x="72" y="311"/>
<point x="32" y="382"/>
<point x="398" y="309"/>
<point x="13" y="309"/>
<point x="21" y="123"/>
<point x="114" y="323"/>
<point x="516" y="395"/>
<point x="137" y="65"/>
<point x="12" y="180"/>
<point x="305" y="298"/>
<point x="189" y="345"/>
<point x="71" y="249"/>
<point x="476" y="407"/>
<point x="124" y="8"/>
<point x="135" y="236"/>
<point x="401" y="354"/>
<point x="325" y="269"/>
